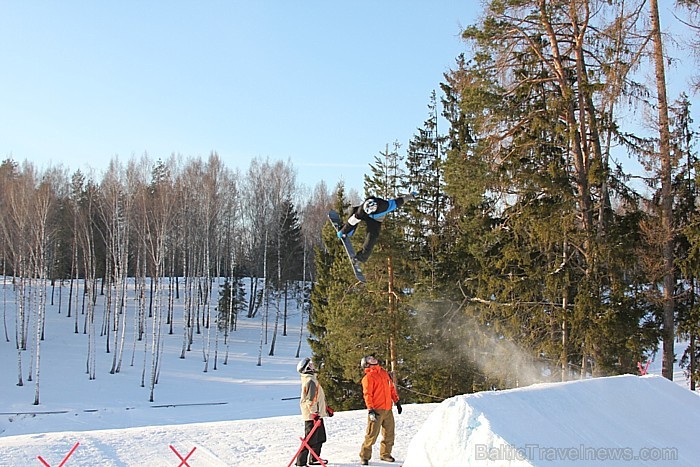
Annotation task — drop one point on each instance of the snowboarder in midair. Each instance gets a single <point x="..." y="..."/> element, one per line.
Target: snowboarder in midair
<point x="372" y="212"/>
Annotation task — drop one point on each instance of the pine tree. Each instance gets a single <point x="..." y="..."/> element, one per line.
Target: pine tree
<point x="427" y="214"/>
<point x="440" y="361"/>
<point x="288" y="247"/>
<point x="386" y="179"/>
<point x="231" y="302"/>
<point x="686" y="216"/>
<point x="335" y="340"/>
<point x="535" y="257"/>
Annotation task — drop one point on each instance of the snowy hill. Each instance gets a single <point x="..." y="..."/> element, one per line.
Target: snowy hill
<point x="624" y="420"/>
<point x="244" y="414"/>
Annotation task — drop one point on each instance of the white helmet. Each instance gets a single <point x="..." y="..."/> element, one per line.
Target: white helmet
<point x="368" y="361"/>
<point x="369" y="206"/>
<point x="305" y="365"/>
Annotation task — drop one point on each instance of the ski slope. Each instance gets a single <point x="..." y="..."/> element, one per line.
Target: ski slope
<point x="244" y="414"/>
<point x="257" y="442"/>
<point x="626" y="420"/>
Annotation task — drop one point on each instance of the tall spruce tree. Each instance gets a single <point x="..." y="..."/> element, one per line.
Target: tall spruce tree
<point x="424" y="159"/>
<point x="437" y="363"/>
<point x="541" y="275"/>
<point x="288" y="247"/>
<point x="686" y="218"/>
<point x="349" y="321"/>
<point x="338" y="329"/>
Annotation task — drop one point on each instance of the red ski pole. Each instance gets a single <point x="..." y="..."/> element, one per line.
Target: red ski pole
<point x="305" y="443"/>
<point x="313" y="453"/>
<point x="643" y="369"/>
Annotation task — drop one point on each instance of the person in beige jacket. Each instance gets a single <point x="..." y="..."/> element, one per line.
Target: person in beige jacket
<point x="313" y="408"/>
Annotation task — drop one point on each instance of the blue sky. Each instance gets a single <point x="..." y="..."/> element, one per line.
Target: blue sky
<point x="325" y="84"/>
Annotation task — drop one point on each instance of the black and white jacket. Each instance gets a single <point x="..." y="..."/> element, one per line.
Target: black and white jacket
<point x="359" y="214"/>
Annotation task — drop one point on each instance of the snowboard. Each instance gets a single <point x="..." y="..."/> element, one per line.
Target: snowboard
<point x="337" y="225"/>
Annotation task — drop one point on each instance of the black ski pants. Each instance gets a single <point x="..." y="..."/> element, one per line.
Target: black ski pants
<point x="316" y="441"/>
<point x="373" y="228"/>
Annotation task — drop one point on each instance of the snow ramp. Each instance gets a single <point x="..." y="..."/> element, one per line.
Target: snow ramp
<point x="621" y="420"/>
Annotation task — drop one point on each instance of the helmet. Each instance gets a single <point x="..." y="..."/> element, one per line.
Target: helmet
<point x="367" y="361"/>
<point x="369" y="206"/>
<point x="305" y="365"/>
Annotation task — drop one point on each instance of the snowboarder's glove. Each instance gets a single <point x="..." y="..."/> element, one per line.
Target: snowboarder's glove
<point x="372" y="415"/>
<point x="398" y="407"/>
<point x="330" y="411"/>
<point x="314" y="416"/>
<point x="409" y="197"/>
<point x="341" y="234"/>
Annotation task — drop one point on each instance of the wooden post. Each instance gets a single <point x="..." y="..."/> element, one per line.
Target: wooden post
<point x="392" y="321"/>
<point x="692" y="360"/>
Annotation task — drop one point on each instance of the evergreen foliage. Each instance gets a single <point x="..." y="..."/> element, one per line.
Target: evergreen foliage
<point x="336" y="347"/>
<point x="287" y="247"/>
<point x="231" y="302"/>
<point x="528" y="255"/>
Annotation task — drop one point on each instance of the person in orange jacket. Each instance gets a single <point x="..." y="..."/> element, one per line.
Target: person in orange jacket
<point x="380" y="394"/>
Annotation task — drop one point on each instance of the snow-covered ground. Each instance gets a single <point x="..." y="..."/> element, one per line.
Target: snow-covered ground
<point x="245" y="414"/>
<point x="621" y="420"/>
<point x="238" y="414"/>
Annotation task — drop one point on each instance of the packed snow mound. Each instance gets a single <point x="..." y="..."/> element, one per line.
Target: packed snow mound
<point x="621" y="420"/>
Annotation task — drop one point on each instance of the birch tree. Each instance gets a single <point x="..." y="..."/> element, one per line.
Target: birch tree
<point x="157" y="208"/>
<point x="212" y="203"/>
<point x="14" y="212"/>
<point x="115" y="212"/>
<point x="43" y="202"/>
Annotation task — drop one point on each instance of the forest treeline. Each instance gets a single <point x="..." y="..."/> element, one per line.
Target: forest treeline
<point x="171" y="227"/>
<point x="532" y="252"/>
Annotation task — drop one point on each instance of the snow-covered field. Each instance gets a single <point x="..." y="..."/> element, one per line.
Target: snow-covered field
<point x="238" y="414"/>
<point x="257" y="442"/>
<point x="245" y="414"/>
